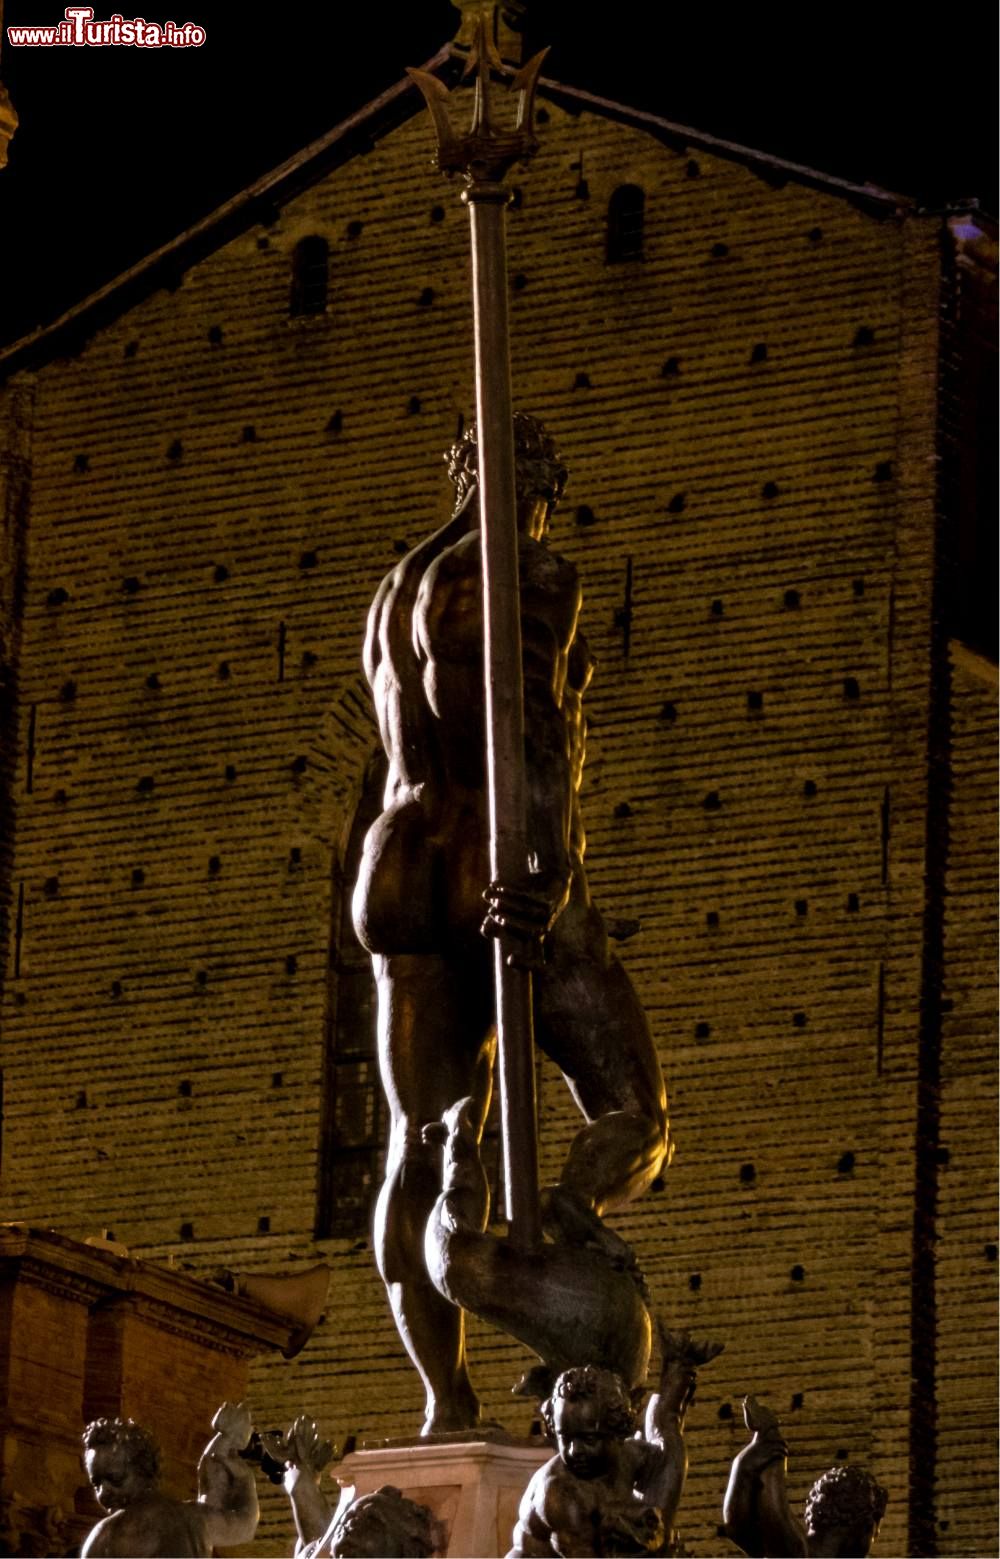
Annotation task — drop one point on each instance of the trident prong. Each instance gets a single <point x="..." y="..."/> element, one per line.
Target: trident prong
<point x="485" y="153"/>
<point x="482" y="58"/>
<point x="525" y="83"/>
<point x="435" y="95"/>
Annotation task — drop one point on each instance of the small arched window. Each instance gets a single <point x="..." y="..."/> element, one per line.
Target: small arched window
<point x="310" y="276"/>
<point x="626" y="215"/>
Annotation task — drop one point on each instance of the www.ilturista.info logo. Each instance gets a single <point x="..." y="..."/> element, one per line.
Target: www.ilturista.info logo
<point x="78" y="30"/>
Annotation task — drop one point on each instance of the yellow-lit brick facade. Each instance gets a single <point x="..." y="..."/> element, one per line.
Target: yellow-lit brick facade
<point x="201" y="498"/>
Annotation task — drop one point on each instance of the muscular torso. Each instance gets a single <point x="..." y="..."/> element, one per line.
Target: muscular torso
<point x="151" y="1527"/>
<point x="426" y="858"/>
<point x="569" y="1515"/>
<point x="448" y="638"/>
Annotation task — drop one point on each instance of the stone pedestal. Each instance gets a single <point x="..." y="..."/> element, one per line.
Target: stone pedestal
<point x="473" y="1485"/>
<point x="87" y="1333"/>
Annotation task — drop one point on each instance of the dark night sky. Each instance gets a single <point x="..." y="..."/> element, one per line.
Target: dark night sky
<point x="119" y="149"/>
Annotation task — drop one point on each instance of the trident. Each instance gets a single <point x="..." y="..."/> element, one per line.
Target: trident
<point x="484" y="156"/>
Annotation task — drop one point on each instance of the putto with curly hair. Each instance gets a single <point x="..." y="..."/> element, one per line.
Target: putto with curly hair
<point x="539" y="471"/>
<point x="123" y="1464"/>
<point x="586" y="1382"/>
<point x="843" y="1509"/>
<point x="609" y="1490"/>
<point x="845" y="1498"/>
<point x="383" y="1524"/>
<point x="127" y="1437"/>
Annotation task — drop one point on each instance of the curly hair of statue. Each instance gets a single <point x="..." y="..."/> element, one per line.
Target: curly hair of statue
<point x="845" y="1497"/>
<point x="413" y="1525"/>
<point x="539" y="469"/>
<point x="588" y="1382"/>
<point x="127" y="1435"/>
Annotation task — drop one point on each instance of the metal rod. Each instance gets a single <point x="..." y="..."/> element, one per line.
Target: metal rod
<point x="484" y="156"/>
<point x="487" y="202"/>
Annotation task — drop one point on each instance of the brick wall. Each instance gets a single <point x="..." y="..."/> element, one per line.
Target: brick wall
<point x="967" y="1388"/>
<point x="15" y="486"/>
<point x="748" y="415"/>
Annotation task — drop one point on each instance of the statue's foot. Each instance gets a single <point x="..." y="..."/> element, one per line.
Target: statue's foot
<point x="536" y="1383"/>
<point x="439" y="1423"/>
<point x="453" y="1416"/>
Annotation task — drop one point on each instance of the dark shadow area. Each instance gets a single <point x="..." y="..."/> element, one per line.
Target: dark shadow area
<point x="119" y="149"/>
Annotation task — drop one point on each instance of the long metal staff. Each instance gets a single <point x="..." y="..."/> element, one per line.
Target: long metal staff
<point x="483" y="157"/>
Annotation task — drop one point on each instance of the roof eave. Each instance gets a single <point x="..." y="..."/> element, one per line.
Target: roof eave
<point x="257" y="203"/>
<point x="775" y="170"/>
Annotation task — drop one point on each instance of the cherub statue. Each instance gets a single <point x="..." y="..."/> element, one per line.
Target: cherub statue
<point x="610" y="1490"/>
<point x="381" y="1525"/>
<point x="387" y="1525"/>
<point x="123" y="1466"/>
<point x="843" y="1509"/>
